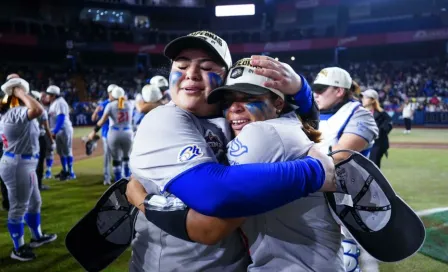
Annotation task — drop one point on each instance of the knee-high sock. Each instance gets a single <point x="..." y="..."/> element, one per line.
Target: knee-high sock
<point x="16" y="230"/>
<point x="127" y="171"/>
<point x="33" y="222"/>
<point x="117" y="167"/>
<point x="64" y="163"/>
<point x="70" y="164"/>
<point x="49" y="162"/>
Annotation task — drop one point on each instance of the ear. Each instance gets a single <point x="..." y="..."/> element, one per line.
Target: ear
<point x="340" y="92"/>
<point x="279" y="104"/>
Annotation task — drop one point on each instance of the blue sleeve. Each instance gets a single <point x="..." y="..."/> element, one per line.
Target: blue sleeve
<point x="59" y="122"/>
<point x="249" y="189"/>
<point x="304" y="98"/>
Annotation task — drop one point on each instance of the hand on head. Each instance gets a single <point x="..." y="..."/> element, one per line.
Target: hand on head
<point x="283" y="77"/>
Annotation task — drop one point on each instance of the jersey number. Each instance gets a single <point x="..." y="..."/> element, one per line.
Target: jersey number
<point x="123" y="116"/>
<point x="5" y="141"/>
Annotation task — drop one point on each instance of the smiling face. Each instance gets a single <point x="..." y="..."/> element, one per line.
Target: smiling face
<point x="241" y="109"/>
<point x="194" y="74"/>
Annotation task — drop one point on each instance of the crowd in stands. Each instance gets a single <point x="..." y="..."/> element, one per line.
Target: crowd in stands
<point x="423" y="82"/>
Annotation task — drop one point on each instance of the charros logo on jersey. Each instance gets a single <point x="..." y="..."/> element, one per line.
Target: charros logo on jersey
<point x="237" y="148"/>
<point x="189" y="152"/>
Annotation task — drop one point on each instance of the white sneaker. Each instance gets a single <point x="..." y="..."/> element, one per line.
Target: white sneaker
<point x="106" y="182"/>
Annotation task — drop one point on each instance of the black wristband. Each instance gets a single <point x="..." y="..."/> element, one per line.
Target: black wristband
<point x="173" y="222"/>
<point x="96" y="128"/>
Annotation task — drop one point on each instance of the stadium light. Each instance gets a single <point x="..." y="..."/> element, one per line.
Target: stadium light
<point x="276" y="58"/>
<point x="293" y="58"/>
<point x="235" y="10"/>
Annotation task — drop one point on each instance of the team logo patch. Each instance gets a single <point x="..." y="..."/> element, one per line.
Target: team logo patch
<point x="237" y="72"/>
<point x="213" y="141"/>
<point x="237" y="148"/>
<point x="189" y="152"/>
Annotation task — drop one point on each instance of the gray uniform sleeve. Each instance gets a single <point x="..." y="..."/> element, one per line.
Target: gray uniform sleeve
<point x="168" y="142"/>
<point x="362" y="124"/>
<point x="44" y="116"/>
<point x="257" y="142"/>
<point x="107" y="109"/>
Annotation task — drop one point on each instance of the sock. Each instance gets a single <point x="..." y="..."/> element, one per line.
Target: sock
<point x="127" y="171"/>
<point x="49" y="164"/>
<point x="117" y="172"/>
<point x="70" y="164"/>
<point x="33" y="222"/>
<point x="16" y="230"/>
<point x="64" y="163"/>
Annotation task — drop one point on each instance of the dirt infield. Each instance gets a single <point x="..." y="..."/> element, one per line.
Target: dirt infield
<point x="79" y="151"/>
<point x="420" y="145"/>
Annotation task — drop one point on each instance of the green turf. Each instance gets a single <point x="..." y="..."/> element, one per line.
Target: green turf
<point x="419" y="135"/>
<point x="419" y="176"/>
<point x="82" y="131"/>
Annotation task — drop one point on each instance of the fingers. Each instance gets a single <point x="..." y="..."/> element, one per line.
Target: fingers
<point x="259" y="57"/>
<point x="267" y="64"/>
<point x="270" y="73"/>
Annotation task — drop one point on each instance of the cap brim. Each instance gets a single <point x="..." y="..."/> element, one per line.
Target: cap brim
<point x="404" y="233"/>
<point x="95" y="250"/>
<point x="173" y="49"/>
<point x="217" y="94"/>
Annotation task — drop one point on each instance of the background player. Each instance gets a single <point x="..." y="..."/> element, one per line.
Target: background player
<point x="18" y="167"/>
<point x="119" y="138"/>
<point x="97" y="114"/>
<point x="62" y="130"/>
<point x="44" y="138"/>
<point x="344" y="124"/>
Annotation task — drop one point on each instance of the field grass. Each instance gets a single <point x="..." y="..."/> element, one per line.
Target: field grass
<point x="418" y="175"/>
<point x="419" y="135"/>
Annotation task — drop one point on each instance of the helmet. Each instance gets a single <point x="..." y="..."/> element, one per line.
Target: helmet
<point x="53" y="89"/>
<point x="117" y="92"/>
<point x="151" y="93"/>
<point x="111" y="87"/>
<point x="159" y="81"/>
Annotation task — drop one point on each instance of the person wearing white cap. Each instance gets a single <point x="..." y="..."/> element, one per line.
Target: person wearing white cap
<point x="45" y="141"/>
<point x="344" y="124"/>
<point x="150" y="98"/>
<point x="97" y="114"/>
<point x="119" y="137"/>
<point x="62" y="130"/>
<point x="300" y="236"/>
<point x="384" y="123"/>
<point x="178" y="149"/>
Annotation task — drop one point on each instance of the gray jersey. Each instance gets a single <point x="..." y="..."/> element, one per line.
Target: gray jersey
<point x="300" y="236"/>
<point x="41" y="120"/>
<point x="20" y="135"/>
<point x="178" y="141"/>
<point x="59" y="106"/>
<point x="119" y="118"/>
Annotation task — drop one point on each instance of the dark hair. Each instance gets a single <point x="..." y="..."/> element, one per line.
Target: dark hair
<point x="307" y="126"/>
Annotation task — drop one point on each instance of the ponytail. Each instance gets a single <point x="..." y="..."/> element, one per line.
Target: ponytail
<point x="14" y="102"/>
<point x="121" y="102"/>
<point x="355" y="90"/>
<point x="312" y="133"/>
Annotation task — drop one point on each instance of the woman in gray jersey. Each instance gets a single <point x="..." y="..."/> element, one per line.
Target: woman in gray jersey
<point x="344" y="124"/>
<point x="18" y="167"/>
<point x="300" y="236"/>
<point x="119" y="138"/>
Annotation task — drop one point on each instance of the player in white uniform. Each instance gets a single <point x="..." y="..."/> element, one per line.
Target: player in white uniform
<point x="98" y="113"/>
<point x="187" y="140"/>
<point x="344" y="124"/>
<point x="300" y="236"/>
<point x="18" y="167"/>
<point x="62" y="130"/>
<point x="119" y="138"/>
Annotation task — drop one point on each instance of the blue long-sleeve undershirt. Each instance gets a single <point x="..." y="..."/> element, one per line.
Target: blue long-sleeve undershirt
<point x="304" y="98"/>
<point x="59" y="123"/>
<point x="245" y="190"/>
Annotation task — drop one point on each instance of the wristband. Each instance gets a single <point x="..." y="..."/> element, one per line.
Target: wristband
<point x="96" y="128"/>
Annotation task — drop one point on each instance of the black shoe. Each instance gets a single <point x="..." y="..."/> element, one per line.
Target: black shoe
<point x="23" y="253"/>
<point x="44" y="239"/>
<point x="63" y="176"/>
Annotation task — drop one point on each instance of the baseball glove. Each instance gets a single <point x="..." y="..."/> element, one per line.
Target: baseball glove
<point x="91" y="145"/>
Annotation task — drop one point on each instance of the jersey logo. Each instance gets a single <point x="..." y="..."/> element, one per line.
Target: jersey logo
<point x="213" y="141"/>
<point x="237" y="148"/>
<point x="189" y="152"/>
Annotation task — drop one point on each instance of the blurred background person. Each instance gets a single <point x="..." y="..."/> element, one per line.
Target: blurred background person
<point x="384" y="123"/>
